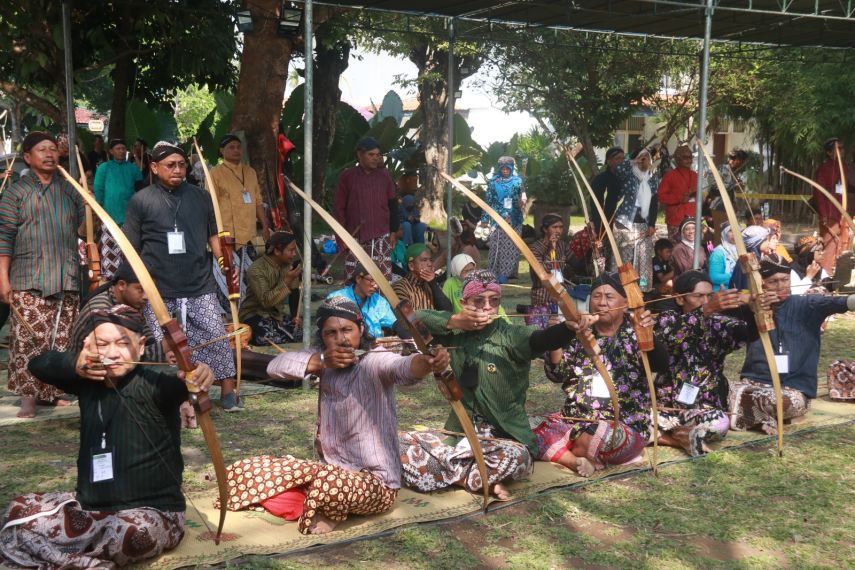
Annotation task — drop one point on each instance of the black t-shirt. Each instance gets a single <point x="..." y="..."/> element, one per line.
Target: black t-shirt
<point x="154" y="212"/>
<point x="661" y="267"/>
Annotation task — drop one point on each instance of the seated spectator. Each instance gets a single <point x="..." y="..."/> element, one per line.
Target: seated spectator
<point x="414" y="228"/>
<point x="419" y="285"/>
<point x="663" y="271"/>
<point x="774" y="226"/>
<point x="377" y="313"/>
<point x="683" y="257"/>
<point x="723" y="259"/>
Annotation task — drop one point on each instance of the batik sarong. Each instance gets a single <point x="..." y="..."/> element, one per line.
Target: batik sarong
<point x="752" y="404"/>
<point x="203" y="322"/>
<point x="503" y="257"/>
<point x="704" y="425"/>
<point x="552" y="435"/>
<point x="430" y="464"/>
<point x="379" y="249"/>
<point x="331" y="491"/>
<point x="50" y="319"/>
<point x="606" y="449"/>
<point x="636" y="247"/>
<point x="111" y="254"/>
<point x="267" y="329"/>
<point x="241" y="259"/>
<point x="66" y="536"/>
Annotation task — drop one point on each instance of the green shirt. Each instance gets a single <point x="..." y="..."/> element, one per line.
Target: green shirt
<point x="141" y="426"/>
<point x="502" y="357"/>
<point x="114" y="186"/>
<point x="266" y="290"/>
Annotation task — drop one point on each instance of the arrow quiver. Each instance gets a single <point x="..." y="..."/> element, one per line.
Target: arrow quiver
<point x="751" y="268"/>
<point x="635" y="301"/>
<point x="447" y="380"/>
<point x="227" y="247"/>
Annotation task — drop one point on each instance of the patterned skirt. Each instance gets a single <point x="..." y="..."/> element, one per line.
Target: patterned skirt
<point x="704" y="425"/>
<point x="503" y="257"/>
<point x="430" y="464"/>
<point x="636" y="247"/>
<point x="552" y="435"/>
<point x="203" y="322"/>
<point x="331" y="491"/>
<point x="627" y="445"/>
<point x="380" y="251"/>
<point x="752" y="405"/>
<point x="111" y="254"/>
<point x="66" y="536"/>
<point x="50" y="319"/>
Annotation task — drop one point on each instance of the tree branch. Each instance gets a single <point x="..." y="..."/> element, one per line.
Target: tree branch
<point x="37" y="102"/>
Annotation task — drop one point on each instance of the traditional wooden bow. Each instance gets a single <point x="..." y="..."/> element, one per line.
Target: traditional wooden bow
<point x="635" y="301"/>
<point x="845" y="215"/>
<point x="589" y="225"/>
<point x="93" y="255"/>
<point x="751" y="267"/>
<point x="177" y="342"/>
<point x="844" y="198"/>
<point x="232" y="274"/>
<point x="445" y="380"/>
<point x="556" y="290"/>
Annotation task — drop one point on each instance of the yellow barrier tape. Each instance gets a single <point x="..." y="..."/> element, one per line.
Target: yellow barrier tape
<point x="795" y="197"/>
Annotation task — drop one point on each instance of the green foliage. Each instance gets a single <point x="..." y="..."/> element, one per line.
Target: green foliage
<point x="150" y="124"/>
<point x="218" y="122"/>
<point x="192" y="105"/>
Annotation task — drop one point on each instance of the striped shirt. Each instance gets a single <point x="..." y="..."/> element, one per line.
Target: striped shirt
<point x="38" y="230"/>
<point x="358" y="423"/>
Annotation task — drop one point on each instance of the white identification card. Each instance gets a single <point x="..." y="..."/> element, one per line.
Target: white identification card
<point x="175" y="242"/>
<point x="102" y="467"/>
<point x="838" y="188"/>
<point x="598" y="386"/>
<point x="782" y="361"/>
<point x="558" y="275"/>
<point x="688" y="394"/>
<point x="508" y="203"/>
<point x="247" y="198"/>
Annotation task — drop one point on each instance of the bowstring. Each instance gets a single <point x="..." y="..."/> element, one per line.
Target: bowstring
<point x="138" y="422"/>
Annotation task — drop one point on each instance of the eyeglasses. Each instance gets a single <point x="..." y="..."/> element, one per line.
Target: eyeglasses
<point x="173" y="165"/>
<point x="481" y="302"/>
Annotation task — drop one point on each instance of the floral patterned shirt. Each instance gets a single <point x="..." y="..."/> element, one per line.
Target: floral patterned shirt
<point x="697" y="348"/>
<point x="623" y="361"/>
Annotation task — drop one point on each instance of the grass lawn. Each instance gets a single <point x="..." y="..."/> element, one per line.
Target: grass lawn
<point x="743" y="509"/>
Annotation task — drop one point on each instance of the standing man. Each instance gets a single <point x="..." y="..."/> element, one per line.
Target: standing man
<point x="828" y="176"/>
<point x="171" y="224"/>
<point x="40" y="217"/>
<point x="677" y="192"/>
<point x="96" y="156"/>
<point x="241" y="203"/>
<point x="365" y="203"/>
<point x="732" y="174"/>
<point x="607" y="187"/>
<point x="115" y="182"/>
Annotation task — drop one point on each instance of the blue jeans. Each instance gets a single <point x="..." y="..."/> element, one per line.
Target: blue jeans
<point x="414" y="233"/>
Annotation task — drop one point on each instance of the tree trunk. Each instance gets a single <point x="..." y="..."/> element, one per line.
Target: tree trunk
<point x="331" y="59"/>
<point x="261" y="89"/>
<point x="122" y="76"/>
<point x="588" y="146"/>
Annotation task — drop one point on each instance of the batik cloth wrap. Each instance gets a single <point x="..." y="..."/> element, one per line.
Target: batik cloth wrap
<point x="203" y="322"/>
<point x="752" y="404"/>
<point x="430" y="463"/>
<point x="635" y="247"/>
<point x="331" y="491"/>
<point x="552" y="434"/>
<point x="267" y="329"/>
<point x="67" y="536"/>
<point x="705" y="425"/>
<point x="241" y="259"/>
<point x="51" y="319"/>
<point x="111" y="254"/>
<point x="380" y="250"/>
<point x="503" y="257"/>
<point x="841" y="380"/>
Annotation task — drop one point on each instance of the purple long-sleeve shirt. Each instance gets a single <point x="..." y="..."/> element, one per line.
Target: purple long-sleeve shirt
<point x="358" y="420"/>
<point x="362" y="202"/>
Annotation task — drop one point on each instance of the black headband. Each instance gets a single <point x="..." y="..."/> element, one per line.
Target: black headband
<point x="163" y="149"/>
<point x="119" y="315"/>
<point x="341" y="307"/>
<point x="35" y="138"/>
<point x="612" y="279"/>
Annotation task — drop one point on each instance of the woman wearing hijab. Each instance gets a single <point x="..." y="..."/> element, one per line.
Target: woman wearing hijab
<point x="505" y="194"/>
<point x="759" y="241"/>
<point x="635" y="225"/>
<point x="461" y="265"/>
<point x="683" y="258"/>
<point x="723" y="259"/>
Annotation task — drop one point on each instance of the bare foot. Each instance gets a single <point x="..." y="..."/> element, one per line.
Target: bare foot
<point x="322" y="525"/>
<point x="501" y="492"/>
<point x="58" y="403"/>
<point x="584" y="467"/>
<point x="28" y="408"/>
<point x="769" y="429"/>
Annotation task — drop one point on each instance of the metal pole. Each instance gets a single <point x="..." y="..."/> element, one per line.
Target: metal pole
<point x="450" y="112"/>
<point x="308" y="111"/>
<point x="702" y="123"/>
<point x="69" y="89"/>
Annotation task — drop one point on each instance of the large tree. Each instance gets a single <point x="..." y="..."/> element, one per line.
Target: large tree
<point x="584" y="85"/>
<point x="425" y="42"/>
<point x="150" y="50"/>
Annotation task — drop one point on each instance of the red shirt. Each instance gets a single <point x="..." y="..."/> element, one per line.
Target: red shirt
<point x="827" y="176"/>
<point x="676" y="184"/>
<point x="362" y="200"/>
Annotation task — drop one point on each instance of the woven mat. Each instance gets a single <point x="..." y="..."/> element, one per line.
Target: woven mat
<point x="249" y="533"/>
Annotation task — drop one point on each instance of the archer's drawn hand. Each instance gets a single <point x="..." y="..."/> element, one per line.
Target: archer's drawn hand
<point x="339" y="357"/>
<point x="438" y="360"/>
<point x="89" y="364"/>
<point x="584" y="322"/>
<point x="202" y="377"/>
<point x="768" y="299"/>
<point x="469" y="319"/>
<point x="645" y="320"/>
<point x="723" y="301"/>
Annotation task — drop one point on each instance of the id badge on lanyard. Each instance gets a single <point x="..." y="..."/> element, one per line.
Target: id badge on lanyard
<point x="599" y="389"/>
<point x="688" y="393"/>
<point x="247" y="197"/>
<point x="175" y="242"/>
<point x="102" y="457"/>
